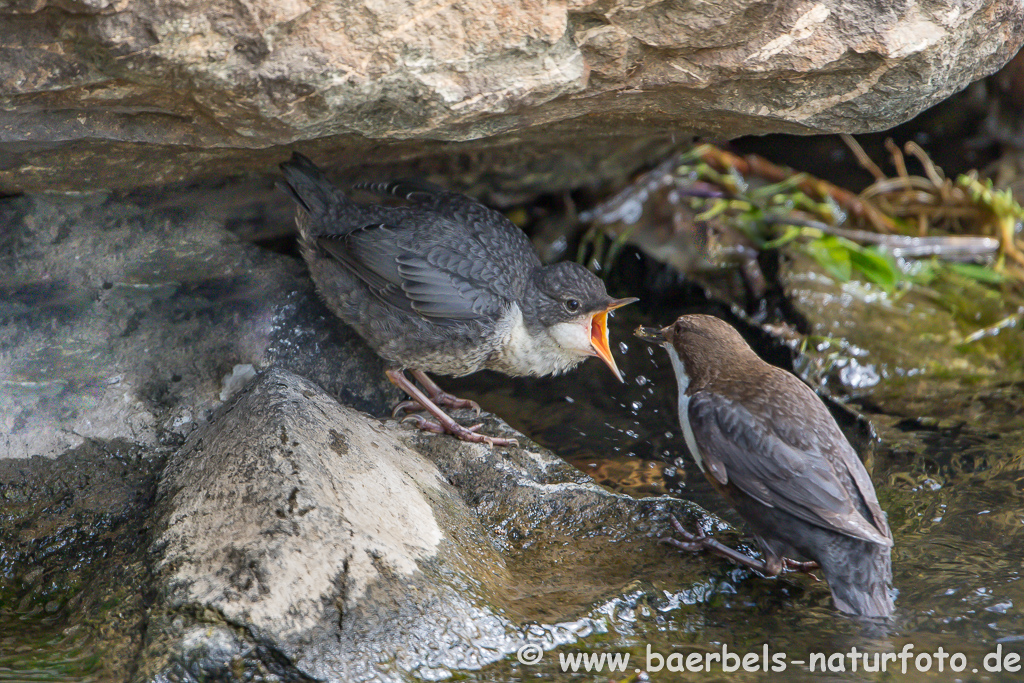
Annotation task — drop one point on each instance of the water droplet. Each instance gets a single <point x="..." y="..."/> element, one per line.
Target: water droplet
<point x="641" y="380"/>
<point x="631" y="434"/>
<point x="636" y="406"/>
<point x="570" y="399"/>
<point x="623" y="347"/>
<point x="669" y="435"/>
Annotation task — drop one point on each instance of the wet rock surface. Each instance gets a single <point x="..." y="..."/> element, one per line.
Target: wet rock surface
<point x="316" y="532"/>
<point x="301" y="526"/>
<point x="73" y="571"/>
<point x="295" y="536"/>
<point x="178" y="90"/>
<point x="120" y="322"/>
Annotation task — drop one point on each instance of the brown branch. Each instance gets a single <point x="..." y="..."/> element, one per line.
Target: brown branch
<point x="752" y="164"/>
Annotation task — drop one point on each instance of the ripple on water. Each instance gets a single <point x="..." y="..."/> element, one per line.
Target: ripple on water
<point x="952" y="483"/>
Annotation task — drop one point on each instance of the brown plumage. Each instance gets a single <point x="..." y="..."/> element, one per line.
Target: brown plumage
<point x="768" y="444"/>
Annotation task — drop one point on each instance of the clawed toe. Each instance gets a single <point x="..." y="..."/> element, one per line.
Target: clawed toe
<point x="470" y="434"/>
<point x="454" y="402"/>
<point x="689" y="546"/>
<point x="442" y="422"/>
<point x="406" y="407"/>
<point x="691" y="542"/>
<point x="802" y="567"/>
<point x="424" y="424"/>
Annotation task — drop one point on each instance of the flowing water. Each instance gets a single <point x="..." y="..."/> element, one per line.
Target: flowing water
<point x="946" y="462"/>
<point x="952" y="485"/>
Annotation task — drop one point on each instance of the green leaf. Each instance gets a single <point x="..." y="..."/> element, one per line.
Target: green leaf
<point x="831" y="255"/>
<point x="976" y="272"/>
<point x="876" y="267"/>
<point x="791" y="233"/>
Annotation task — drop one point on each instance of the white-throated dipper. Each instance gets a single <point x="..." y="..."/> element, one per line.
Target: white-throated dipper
<point x="768" y="444"/>
<point x="444" y="284"/>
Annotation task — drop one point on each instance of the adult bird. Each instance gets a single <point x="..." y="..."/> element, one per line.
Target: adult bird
<point x="445" y="285"/>
<point x="767" y="443"/>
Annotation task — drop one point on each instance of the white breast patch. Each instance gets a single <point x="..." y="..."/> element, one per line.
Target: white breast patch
<point x="684" y="405"/>
<point x="521" y="353"/>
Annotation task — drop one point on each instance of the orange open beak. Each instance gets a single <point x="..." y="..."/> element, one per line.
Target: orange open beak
<point x="599" y="335"/>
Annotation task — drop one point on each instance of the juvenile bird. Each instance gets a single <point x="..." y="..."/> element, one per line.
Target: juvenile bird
<point x="445" y="285"/>
<point x="768" y="444"/>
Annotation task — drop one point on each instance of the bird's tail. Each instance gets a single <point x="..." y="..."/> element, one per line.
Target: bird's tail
<point x="861" y="580"/>
<point x="309" y="187"/>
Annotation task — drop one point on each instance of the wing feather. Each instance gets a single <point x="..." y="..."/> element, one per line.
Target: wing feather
<point x="445" y="256"/>
<point x="424" y="284"/>
<point x="737" y="448"/>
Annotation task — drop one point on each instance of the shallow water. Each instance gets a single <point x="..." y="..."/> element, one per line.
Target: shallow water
<point x="953" y="490"/>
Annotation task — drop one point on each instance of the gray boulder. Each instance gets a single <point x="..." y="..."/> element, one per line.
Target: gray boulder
<point x="180" y="90"/>
<point x="292" y="535"/>
<point x="294" y="530"/>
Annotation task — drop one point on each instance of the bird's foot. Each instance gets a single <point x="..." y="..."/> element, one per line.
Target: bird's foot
<point x="423" y="423"/>
<point x="803" y="567"/>
<point x="455" y="403"/>
<point x="406" y="407"/>
<point x="458" y="431"/>
<point x="701" y="541"/>
<point x="442" y="422"/>
<point x="693" y="543"/>
<point x="442" y="399"/>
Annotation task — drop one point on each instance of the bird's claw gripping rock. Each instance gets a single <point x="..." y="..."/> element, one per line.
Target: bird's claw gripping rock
<point x="458" y="431"/>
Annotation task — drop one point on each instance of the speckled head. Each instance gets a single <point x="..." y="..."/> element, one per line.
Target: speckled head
<point x="572" y="304"/>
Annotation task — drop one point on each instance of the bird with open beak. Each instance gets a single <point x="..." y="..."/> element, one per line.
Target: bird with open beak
<point x="767" y="443"/>
<point x="443" y="284"/>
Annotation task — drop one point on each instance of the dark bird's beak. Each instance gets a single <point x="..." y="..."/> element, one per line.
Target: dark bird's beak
<point x="599" y="334"/>
<point x="652" y="334"/>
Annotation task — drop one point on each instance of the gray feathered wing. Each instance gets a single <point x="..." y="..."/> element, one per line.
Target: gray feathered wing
<point x="447" y="258"/>
<point x="752" y="455"/>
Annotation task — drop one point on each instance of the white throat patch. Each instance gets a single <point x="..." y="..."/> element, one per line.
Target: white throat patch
<point x="684" y="405"/>
<point x="550" y="353"/>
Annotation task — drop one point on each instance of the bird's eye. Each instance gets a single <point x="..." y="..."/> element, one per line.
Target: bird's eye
<point x="572" y="305"/>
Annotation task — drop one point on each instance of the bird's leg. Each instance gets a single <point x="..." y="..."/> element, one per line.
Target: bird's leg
<point x="437" y="395"/>
<point x="697" y="542"/>
<point x="802" y="567"/>
<point x="444" y="424"/>
<point x="701" y="541"/>
<point x="441" y="397"/>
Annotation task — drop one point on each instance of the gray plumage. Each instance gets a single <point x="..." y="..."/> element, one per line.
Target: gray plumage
<point x="442" y="284"/>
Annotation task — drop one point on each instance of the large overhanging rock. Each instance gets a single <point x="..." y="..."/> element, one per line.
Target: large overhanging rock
<point x="179" y="90"/>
